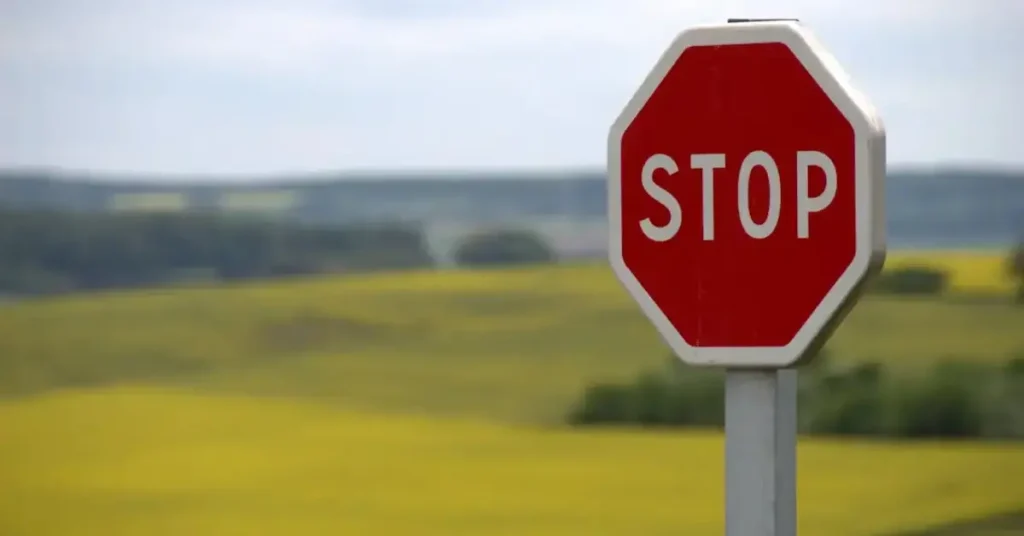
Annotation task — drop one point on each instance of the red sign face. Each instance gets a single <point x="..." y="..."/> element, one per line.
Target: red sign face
<point x="736" y="206"/>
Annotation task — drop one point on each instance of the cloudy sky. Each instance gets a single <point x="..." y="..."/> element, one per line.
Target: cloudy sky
<point x="262" y="86"/>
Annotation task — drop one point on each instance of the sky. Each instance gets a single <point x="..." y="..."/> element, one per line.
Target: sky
<point x="257" y="87"/>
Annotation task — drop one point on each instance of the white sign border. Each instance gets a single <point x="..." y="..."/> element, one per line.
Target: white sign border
<point x="870" y="165"/>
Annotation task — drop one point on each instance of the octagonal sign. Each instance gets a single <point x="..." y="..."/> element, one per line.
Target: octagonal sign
<point x="746" y="195"/>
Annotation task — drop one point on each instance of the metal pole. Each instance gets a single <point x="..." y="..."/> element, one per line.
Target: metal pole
<point x="760" y="452"/>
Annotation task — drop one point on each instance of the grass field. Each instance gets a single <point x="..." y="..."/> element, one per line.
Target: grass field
<point x="510" y="344"/>
<point x="152" y="461"/>
<point x="419" y="404"/>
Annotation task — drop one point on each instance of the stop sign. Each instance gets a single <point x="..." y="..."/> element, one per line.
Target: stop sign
<point x="745" y="194"/>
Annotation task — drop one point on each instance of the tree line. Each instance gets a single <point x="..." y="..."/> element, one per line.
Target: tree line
<point x="955" y="398"/>
<point x="43" y="252"/>
<point x="49" y="252"/>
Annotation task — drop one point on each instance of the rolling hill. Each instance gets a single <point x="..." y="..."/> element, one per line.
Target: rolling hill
<point x="424" y="403"/>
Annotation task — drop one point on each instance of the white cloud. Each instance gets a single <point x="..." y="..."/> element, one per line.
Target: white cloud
<point x="233" y="85"/>
<point x="276" y="35"/>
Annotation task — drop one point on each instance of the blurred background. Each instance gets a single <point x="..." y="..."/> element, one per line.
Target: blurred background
<point x="339" y="267"/>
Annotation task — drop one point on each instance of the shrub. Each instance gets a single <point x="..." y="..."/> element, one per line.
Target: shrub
<point x="1014" y="368"/>
<point x="955" y="399"/>
<point x="602" y="404"/>
<point x="1006" y="402"/>
<point x="917" y="280"/>
<point x="687" y="398"/>
<point x="850" y="402"/>
<point x="698" y="398"/>
<point x="1015" y="267"/>
<point x="501" y="247"/>
<point x="651" y="400"/>
<point x="944" y="404"/>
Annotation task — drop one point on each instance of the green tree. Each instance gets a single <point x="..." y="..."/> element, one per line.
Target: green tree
<point x="1015" y="266"/>
<point x="48" y="251"/>
<point x="503" y="246"/>
<point x="920" y="280"/>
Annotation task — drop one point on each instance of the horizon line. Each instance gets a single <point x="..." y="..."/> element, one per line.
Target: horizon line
<point x="409" y="172"/>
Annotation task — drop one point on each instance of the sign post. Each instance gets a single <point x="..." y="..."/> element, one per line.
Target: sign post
<point x="760" y="452"/>
<point x="746" y="214"/>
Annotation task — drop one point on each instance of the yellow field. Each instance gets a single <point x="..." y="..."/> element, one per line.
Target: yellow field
<point x="511" y="344"/>
<point x="153" y="461"/>
<point x="970" y="271"/>
<point x="419" y="404"/>
<point x="259" y="200"/>
<point x="157" y="202"/>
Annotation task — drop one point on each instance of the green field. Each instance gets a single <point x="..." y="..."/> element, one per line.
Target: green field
<point x="423" y="403"/>
<point x="510" y="344"/>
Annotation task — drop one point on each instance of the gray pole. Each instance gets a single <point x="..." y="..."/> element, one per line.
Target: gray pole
<point x="760" y="452"/>
<point x="760" y="447"/>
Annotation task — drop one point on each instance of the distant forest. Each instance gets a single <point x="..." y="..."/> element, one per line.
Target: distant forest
<point x="63" y="232"/>
<point x="941" y="207"/>
<point x="47" y="252"/>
